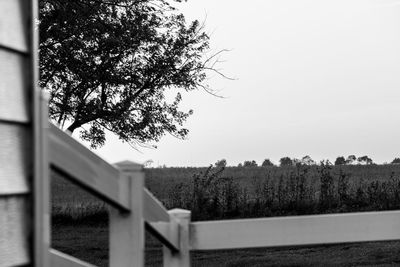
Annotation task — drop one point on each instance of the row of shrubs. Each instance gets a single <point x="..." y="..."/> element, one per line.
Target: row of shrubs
<point x="210" y="195"/>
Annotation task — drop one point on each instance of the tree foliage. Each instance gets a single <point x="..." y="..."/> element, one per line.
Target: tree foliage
<point x="267" y="163"/>
<point x="350" y="159"/>
<point x="285" y="161"/>
<point x="396" y="161"/>
<point x="220" y="163"/>
<point x="250" y="163"/>
<point x="307" y="160"/>
<point x="109" y="64"/>
<point x="340" y="161"/>
<point x="365" y="160"/>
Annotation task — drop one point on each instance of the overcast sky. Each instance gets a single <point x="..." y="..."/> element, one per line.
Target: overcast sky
<point x="318" y="78"/>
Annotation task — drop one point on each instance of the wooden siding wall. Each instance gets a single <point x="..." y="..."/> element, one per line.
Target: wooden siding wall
<point x="16" y="132"/>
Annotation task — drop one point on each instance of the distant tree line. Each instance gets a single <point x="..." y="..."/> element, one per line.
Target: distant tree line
<point x="352" y="159"/>
<point x="306" y="160"/>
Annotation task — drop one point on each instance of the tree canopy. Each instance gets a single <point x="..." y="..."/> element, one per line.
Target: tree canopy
<point x="340" y="161"/>
<point x="250" y="163"/>
<point x="350" y="159"/>
<point x="365" y="160"/>
<point x="221" y="163"/>
<point x="396" y="161"/>
<point x="108" y="65"/>
<point x="285" y="161"/>
<point x="267" y="163"/>
<point x="307" y="160"/>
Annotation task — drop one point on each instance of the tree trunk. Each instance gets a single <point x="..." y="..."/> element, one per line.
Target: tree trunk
<point x="73" y="126"/>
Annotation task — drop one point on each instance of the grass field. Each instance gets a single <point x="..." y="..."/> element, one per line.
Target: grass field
<point x="90" y="243"/>
<point x="80" y="220"/>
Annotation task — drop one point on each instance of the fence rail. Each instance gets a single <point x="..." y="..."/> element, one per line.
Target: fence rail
<point x="59" y="259"/>
<point x="85" y="168"/>
<point x="296" y="230"/>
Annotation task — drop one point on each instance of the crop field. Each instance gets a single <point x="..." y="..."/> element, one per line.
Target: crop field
<point x="162" y="180"/>
<point x="80" y="220"/>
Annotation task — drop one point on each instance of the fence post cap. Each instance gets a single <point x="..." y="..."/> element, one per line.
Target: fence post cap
<point x="128" y="165"/>
<point x="180" y="213"/>
<point x="44" y="95"/>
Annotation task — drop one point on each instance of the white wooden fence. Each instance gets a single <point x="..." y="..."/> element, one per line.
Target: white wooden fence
<point x="29" y="146"/>
<point x="133" y="207"/>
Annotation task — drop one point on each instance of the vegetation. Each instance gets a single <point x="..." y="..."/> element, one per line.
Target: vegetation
<point x="108" y="66"/>
<point x="286" y="161"/>
<point x="221" y="163"/>
<point x="396" y="161"/>
<point x="365" y="160"/>
<point x="350" y="159"/>
<point x="340" y="161"/>
<point x="210" y="196"/>
<point x="250" y="163"/>
<point x="267" y="163"/>
<point x="233" y="192"/>
<point x="80" y="221"/>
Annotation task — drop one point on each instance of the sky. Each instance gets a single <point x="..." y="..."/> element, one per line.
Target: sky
<point x="317" y="78"/>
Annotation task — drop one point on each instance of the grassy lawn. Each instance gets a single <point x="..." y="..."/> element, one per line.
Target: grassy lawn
<point x="90" y="243"/>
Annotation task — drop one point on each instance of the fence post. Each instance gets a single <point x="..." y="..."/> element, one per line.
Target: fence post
<point x="127" y="228"/>
<point x="41" y="190"/>
<point x="181" y="258"/>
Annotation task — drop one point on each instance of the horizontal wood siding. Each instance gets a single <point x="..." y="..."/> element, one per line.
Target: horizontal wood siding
<point x="14" y="159"/>
<point x="16" y="134"/>
<point x="13" y="93"/>
<point x="14" y="246"/>
<point x="13" y="18"/>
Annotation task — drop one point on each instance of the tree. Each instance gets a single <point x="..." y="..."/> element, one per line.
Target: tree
<point x="296" y="162"/>
<point x="248" y="163"/>
<point x="340" y="161"/>
<point x="285" y="161"/>
<point x="267" y="163"/>
<point x="108" y="64"/>
<point x="365" y="160"/>
<point x="307" y="160"/>
<point x="220" y="163"/>
<point x="350" y="159"/>
<point x="396" y="161"/>
<point x="148" y="163"/>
